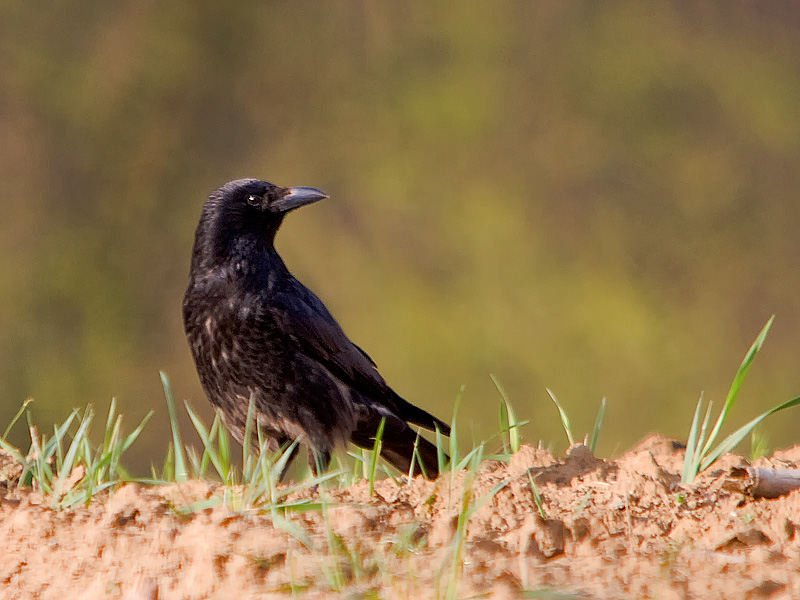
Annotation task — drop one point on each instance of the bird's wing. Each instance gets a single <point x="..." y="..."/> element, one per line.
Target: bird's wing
<point x="319" y="337"/>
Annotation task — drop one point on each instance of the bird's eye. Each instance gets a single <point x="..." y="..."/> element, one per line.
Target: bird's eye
<point x="253" y="200"/>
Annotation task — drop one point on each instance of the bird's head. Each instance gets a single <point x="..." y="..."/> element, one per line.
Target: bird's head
<point x="252" y="199"/>
<point x="246" y="211"/>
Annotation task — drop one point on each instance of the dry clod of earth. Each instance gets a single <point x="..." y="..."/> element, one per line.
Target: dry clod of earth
<point x="612" y="529"/>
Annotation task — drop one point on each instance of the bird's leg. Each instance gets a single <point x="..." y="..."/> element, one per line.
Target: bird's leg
<point x="319" y="460"/>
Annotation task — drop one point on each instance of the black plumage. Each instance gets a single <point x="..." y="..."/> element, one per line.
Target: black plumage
<point x="257" y="332"/>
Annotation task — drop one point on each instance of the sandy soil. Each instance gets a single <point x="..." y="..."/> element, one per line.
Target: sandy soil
<point x="622" y="529"/>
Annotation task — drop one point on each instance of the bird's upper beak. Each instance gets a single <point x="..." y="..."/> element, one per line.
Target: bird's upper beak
<point x="295" y="197"/>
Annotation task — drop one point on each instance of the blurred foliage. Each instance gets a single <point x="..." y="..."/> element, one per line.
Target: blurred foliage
<point x="600" y="198"/>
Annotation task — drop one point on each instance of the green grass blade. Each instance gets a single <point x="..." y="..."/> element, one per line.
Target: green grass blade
<point x="65" y="468"/>
<point x="481" y="502"/>
<point x="194" y="462"/>
<point x="309" y="483"/>
<point x="454" y="429"/>
<point x="41" y="470"/>
<point x="55" y="443"/>
<point x="537" y="497"/>
<point x="14" y="452"/>
<point x="247" y="449"/>
<point x="702" y="438"/>
<point x="598" y="425"/>
<point x="168" y="468"/>
<point x="440" y="453"/>
<point x="697" y="455"/>
<point x="564" y="418"/>
<point x="16" y="417"/>
<point x="212" y="435"/>
<point x="737" y="436"/>
<point x="294" y="530"/>
<point x="177" y="446"/>
<point x="469" y="458"/>
<point x="224" y="444"/>
<point x="49" y="447"/>
<point x="135" y="433"/>
<point x="283" y="460"/>
<point x="504" y="428"/>
<point x="689" y="466"/>
<point x="376" y="453"/>
<point x="759" y="445"/>
<point x="110" y="429"/>
<point x="508" y="420"/>
<point x="208" y="444"/>
<point x="737" y="383"/>
<point x="415" y="458"/>
<point x="109" y="451"/>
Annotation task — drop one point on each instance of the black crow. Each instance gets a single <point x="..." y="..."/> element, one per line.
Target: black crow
<point x="257" y="332"/>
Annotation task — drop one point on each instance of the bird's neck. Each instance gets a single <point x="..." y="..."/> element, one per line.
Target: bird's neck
<point x="253" y="257"/>
<point x="244" y="258"/>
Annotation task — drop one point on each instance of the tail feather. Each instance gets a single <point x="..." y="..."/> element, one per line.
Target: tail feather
<point x="400" y="445"/>
<point x="417" y="416"/>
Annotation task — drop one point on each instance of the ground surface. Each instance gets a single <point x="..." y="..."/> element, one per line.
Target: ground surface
<point x="621" y="529"/>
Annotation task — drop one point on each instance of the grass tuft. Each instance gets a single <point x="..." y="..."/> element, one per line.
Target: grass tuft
<point x="65" y="468"/>
<point x="589" y="441"/>
<point x="700" y="451"/>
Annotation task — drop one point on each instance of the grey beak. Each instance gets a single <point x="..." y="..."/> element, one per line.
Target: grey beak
<point x="296" y="197"/>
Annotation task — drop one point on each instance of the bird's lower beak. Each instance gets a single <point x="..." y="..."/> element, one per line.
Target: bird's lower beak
<point x="296" y="197"/>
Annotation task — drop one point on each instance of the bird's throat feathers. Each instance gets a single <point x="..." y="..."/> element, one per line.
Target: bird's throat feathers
<point x="231" y="239"/>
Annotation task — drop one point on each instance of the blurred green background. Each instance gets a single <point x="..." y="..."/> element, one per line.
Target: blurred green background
<point x="596" y="197"/>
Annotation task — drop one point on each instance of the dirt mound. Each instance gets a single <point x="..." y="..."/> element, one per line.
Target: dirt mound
<point x="622" y="529"/>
